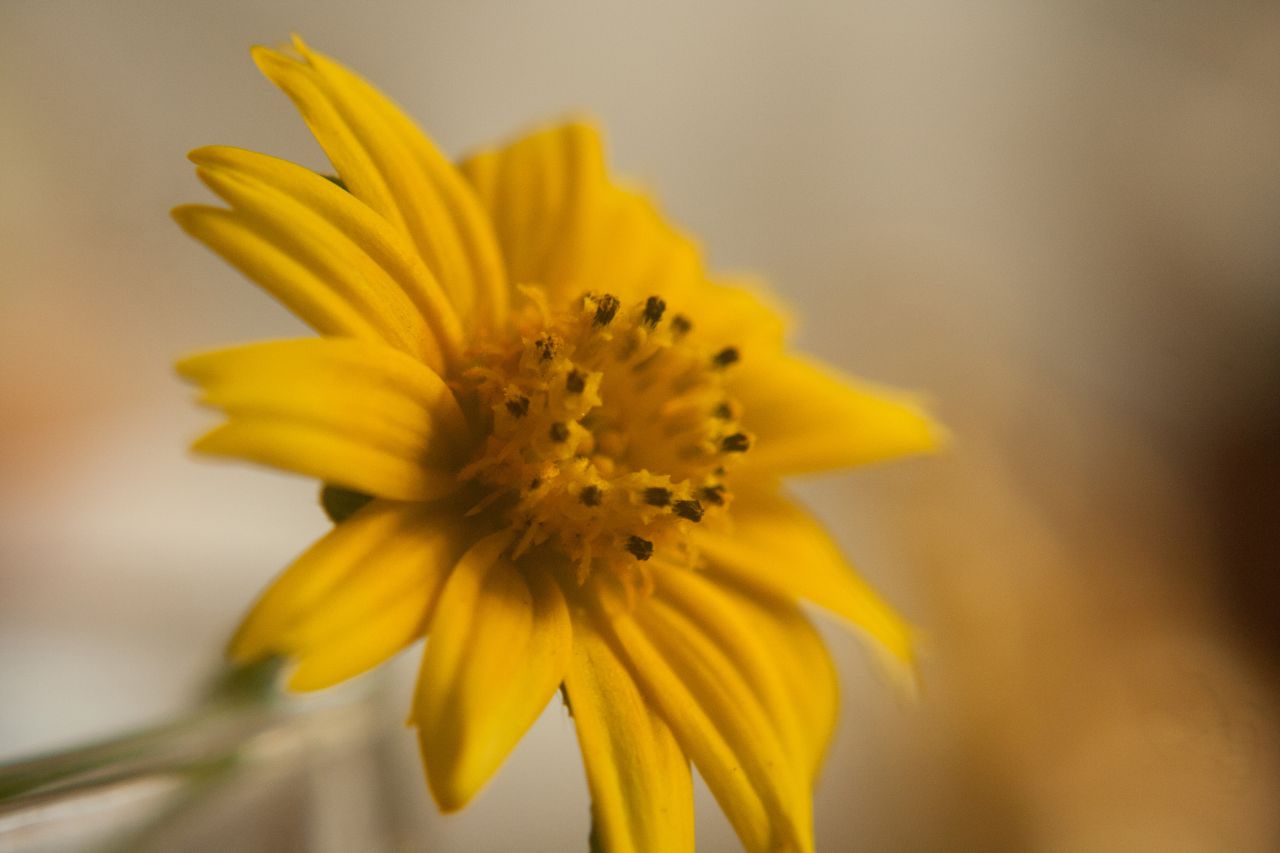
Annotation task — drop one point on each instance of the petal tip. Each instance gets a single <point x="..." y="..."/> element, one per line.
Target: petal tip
<point x="188" y="367"/>
<point x="447" y="800"/>
<point x="446" y="788"/>
<point x="300" y="45"/>
<point x="270" y="61"/>
<point x="209" y="155"/>
<point x="306" y="680"/>
<point x="185" y="214"/>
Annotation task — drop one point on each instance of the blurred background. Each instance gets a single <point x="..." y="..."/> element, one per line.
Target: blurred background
<point x="1058" y="219"/>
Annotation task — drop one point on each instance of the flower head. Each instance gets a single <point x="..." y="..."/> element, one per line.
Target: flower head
<point x="554" y="445"/>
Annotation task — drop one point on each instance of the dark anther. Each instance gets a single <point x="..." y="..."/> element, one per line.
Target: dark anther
<point x="534" y="483"/>
<point x="653" y="308"/>
<point x="657" y="496"/>
<point x="559" y="432"/>
<point x="680" y="325"/>
<point x="590" y="495"/>
<point x="519" y="407"/>
<point x="606" y="307"/>
<point x="713" y="494"/>
<point x="691" y="510"/>
<point x="723" y="411"/>
<point x="641" y="549"/>
<point x="575" y="382"/>
<point x="546" y="347"/>
<point x="726" y="357"/>
<point x="736" y="443"/>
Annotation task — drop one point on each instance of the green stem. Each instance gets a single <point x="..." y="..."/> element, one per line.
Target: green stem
<point x="238" y="702"/>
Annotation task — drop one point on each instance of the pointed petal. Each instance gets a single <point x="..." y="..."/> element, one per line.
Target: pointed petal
<point x="778" y="653"/>
<point x="540" y="191"/>
<point x="806" y="418"/>
<point x="358" y="595"/>
<point x="800" y="657"/>
<point x="500" y="643"/>
<point x="738" y="313"/>
<point x="641" y="789"/>
<point x="389" y="164"/>
<point x="778" y="548"/>
<point x="396" y="624"/>
<point x="564" y="225"/>
<point x="297" y="287"/>
<point x="639" y="252"/>
<point x="370" y="263"/>
<point x="330" y="255"/>
<point x="354" y="414"/>
<point x="706" y="698"/>
<point x="325" y="455"/>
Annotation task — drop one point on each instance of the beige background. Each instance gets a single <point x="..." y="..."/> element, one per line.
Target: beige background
<point x="1060" y="219"/>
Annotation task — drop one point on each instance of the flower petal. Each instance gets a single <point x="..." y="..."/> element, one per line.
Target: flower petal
<point x="801" y="658"/>
<point x="351" y="248"/>
<point x="302" y="292"/>
<point x="806" y="418"/>
<point x="778" y="548"/>
<point x="350" y="413"/>
<point x="358" y="595"/>
<point x="705" y="696"/>
<point x="770" y="642"/>
<point x="738" y="313"/>
<point x="388" y="163"/>
<point x="541" y="191"/>
<point x="330" y="255"/>
<point x="320" y="453"/>
<point x="641" y="788"/>
<point x="500" y="644"/>
<point x="396" y="624"/>
<point x="562" y="223"/>
<point x="639" y="251"/>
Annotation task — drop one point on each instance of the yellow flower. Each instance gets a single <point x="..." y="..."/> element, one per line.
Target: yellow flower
<point x="562" y="441"/>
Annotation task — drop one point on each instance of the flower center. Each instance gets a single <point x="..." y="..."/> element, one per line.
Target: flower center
<point x="611" y="431"/>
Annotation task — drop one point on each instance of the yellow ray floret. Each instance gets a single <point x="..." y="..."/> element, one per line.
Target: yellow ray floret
<point x="312" y="298"/>
<point x="706" y="699"/>
<point x="778" y="548"/>
<point x="385" y="278"/>
<point x="774" y="648"/>
<point x="350" y="413"/>
<point x="809" y="419"/>
<point x="641" y="788"/>
<point x="391" y="166"/>
<point x="499" y="647"/>
<point x="318" y="611"/>
<point x="564" y="225"/>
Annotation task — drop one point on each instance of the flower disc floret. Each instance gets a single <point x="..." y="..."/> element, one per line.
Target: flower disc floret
<point x="610" y="430"/>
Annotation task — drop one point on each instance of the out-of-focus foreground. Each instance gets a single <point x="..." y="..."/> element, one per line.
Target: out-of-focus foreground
<point x="1060" y="219"/>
